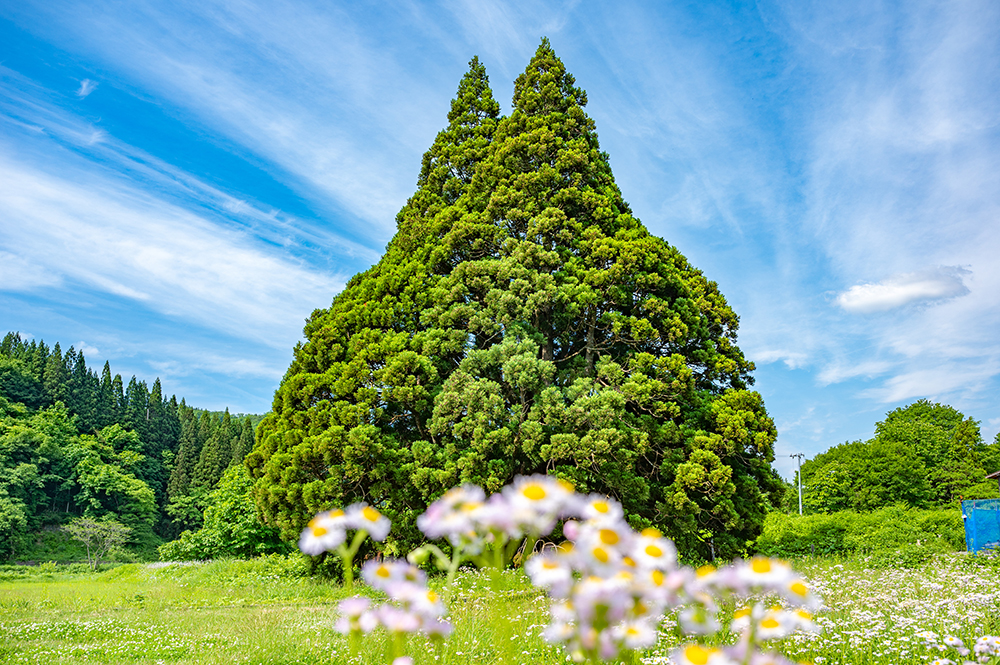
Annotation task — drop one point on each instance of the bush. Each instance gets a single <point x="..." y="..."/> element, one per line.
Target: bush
<point x="894" y="535"/>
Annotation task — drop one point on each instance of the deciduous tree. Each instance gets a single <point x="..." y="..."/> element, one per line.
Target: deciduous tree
<point x="98" y="536"/>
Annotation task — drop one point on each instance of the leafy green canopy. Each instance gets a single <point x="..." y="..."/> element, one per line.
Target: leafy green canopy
<point x="522" y="321"/>
<point x="922" y="455"/>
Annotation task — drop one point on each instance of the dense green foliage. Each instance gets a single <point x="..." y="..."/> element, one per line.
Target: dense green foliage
<point x="522" y="320"/>
<point x="922" y="455"/>
<point x="231" y="526"/>
<point x="77" y="443"/>
<point x="893" y="534"/>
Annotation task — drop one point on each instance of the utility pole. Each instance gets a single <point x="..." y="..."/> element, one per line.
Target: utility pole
<point x="799" y="456"/>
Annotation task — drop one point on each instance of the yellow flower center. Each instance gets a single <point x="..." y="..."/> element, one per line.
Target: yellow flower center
<point x="566" y="485"/>
<point x="534" y="492"/>
<point x="741" y="612"/>
<point x="551" y="565"/>
<point x="805" y="615"/>
<point x="609" y="537"/>
<point x="318" y="531"/>
<point x="601" y="506"/>
<point x="799" y="589"/>
<point x="658" y="577"/>
<point x="371" y="514"/>
<point x="769" y="622"/>
<point x="707" y="569"/>
<point x="628" y="561"/>
<point x="697" y="654"/>
<point x="431" y="596"/>
<point x="761" y="565"/>
<point x="631" y="632"/>
<point x="654" y="551"/>
<point x="382" y="571"/>
<point x="650" y="532"/>
<point x="337" y="513"/>
<point x="600" y="554"/>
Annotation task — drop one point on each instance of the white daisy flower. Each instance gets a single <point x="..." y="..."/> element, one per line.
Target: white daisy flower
<point x="363" y="517"/>
<point x="652" y="550"/>
<point x="772" y="574"/>
<point x="324" y="533"/>
<point x="597" y="508"/>
<point x="695" y="654"/>
<point x="798" y="592"/>
<point x="384" y="575"/>
<point x="451" y="516"/>
<point x="551" y="572"/>
<point x="636" y="634"/>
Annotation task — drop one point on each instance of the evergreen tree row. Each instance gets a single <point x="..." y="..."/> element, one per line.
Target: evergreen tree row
<point x="74" y="441"/>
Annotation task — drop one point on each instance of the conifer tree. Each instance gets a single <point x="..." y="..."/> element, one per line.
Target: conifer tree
<point x="55" y="377"/>
<point x="85" y="388"/>
<point x="523" y="321"/>
<point x="36" y="356"/>
<point x="106" y="399"/>
<point x="216" y="452"/>
<point x="188" y="450"/>
<point x="135" y="414"/>
<point x="185" y="508"/>
<point x="10" y="345"/>
<point x="244" y="442"/>
<point x="118" y="406"/>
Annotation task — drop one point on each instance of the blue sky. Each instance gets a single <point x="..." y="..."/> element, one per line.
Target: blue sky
<point x="182" y="183"/>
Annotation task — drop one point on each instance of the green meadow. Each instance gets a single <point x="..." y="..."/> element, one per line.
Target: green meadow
<point x="269" y="610"/>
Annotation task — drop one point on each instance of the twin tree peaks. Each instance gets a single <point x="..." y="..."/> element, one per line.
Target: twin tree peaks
<point x="522" y="321"/>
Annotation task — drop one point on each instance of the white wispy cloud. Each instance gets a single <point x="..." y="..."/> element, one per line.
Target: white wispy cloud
<point x="791" y="358"/>
<point x="840" y="370"/>
<point x="929" y="285"/>
<point x="901" y="170"/>
<point x="116" y="239"/>
<point x="336" y="115"/>
<point x="86" y="87"/>
<point x="18" y="273"/>
<point x="943" y="380"/>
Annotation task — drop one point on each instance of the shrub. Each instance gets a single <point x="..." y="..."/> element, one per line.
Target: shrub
<point x="907" y="536"/>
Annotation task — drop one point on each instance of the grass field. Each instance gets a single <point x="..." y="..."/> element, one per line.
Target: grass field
<point x="265" y="611"/>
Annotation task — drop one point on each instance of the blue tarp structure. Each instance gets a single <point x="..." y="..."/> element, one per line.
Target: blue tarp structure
<point x="982" y="524"/>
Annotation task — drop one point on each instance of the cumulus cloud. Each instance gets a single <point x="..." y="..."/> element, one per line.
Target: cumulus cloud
<point x="928" y="285"/>
<point x="86" y="87"/>
<point x="87" y="349"/>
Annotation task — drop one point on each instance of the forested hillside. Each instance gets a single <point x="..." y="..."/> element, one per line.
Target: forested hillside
<point x="74" y="441"/>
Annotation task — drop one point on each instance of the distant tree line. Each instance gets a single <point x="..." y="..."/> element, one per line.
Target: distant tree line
<point x="75" y="442"/>
<point x="922" y="455"/>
